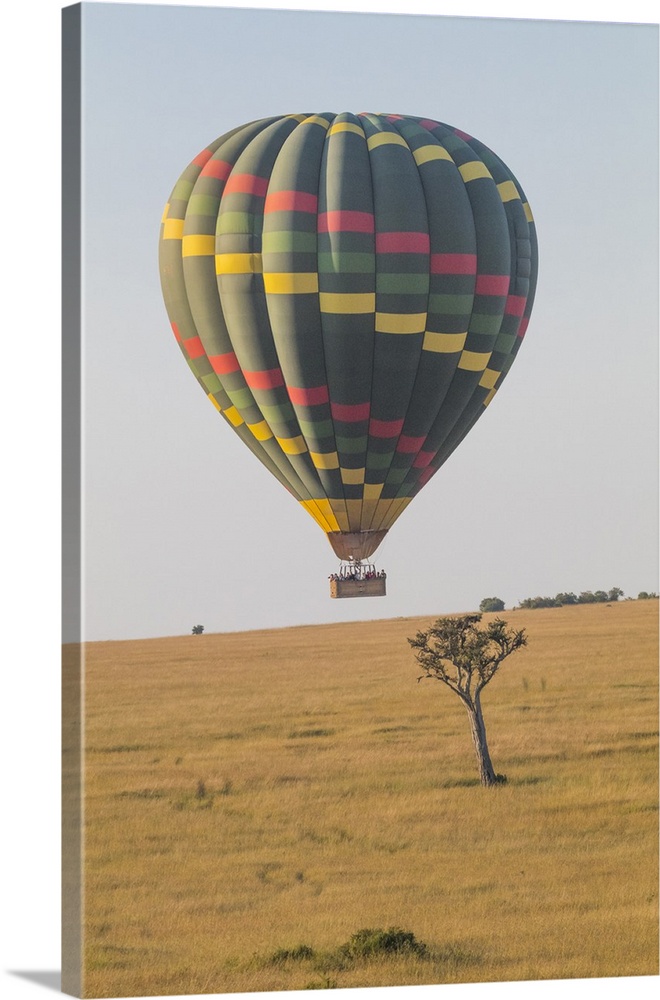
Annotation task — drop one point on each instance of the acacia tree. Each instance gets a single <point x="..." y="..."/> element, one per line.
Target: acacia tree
<point x="465" y="658"/>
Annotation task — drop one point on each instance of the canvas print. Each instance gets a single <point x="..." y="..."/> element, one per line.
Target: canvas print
<point x="393" y="280"/>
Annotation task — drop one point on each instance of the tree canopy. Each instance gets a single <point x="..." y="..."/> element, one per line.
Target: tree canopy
<point x="492" y="604"/>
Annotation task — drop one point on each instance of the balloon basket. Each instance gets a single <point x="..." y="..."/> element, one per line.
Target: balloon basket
<point x="358" y="580"/>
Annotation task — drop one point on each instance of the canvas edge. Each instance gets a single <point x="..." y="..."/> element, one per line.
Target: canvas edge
<point x="72" y="909"/>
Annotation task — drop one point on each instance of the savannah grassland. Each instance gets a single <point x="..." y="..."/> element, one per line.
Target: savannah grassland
<point x="337" y="793"/>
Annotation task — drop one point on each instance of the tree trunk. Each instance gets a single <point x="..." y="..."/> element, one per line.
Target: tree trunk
<point x="486" y="771"/>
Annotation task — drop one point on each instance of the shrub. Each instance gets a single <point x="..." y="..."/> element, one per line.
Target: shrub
<point x="298" y="954"/>
<point x="369" y="942"/>
<point x="492" y="604"/>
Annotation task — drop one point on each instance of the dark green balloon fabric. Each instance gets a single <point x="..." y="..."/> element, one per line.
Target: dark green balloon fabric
<point x="350" y="291"/>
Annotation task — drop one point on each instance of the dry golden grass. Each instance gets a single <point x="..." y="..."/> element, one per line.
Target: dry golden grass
<point x="339" y="794"/>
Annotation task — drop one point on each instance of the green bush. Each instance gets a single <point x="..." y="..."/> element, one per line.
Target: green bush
<point x="368" y="942"/>
<point x="298" y="954"/>
<point x="492" y="604"/>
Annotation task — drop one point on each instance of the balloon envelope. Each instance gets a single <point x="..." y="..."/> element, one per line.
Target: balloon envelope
<point x="350" y="291"/>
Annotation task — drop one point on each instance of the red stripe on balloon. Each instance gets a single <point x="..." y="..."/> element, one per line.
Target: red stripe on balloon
<point x="269" y="379"/>
<point x="194" y="347"/>
<point x="410" y="445"/>
<point x="426" y="475"/>
<point x="515" y="305"/>
<point x="346" y="222"/>
<point x="385" y="428"/>
<point x="224" y="364"/>
<point x="175" y="331"/>
<point x="246" y="184"/>
<point x="522" y="329"/>
<point x="423" y="459"/>
<point x="492" y="284"/>
<point x="291" y="201"/>
<point x="202" y="157"/>
<point x="428" y="123"/>
<point x="219" y="169"/>
<point x="453" y="263"/>
<point x="402" y="242"/>
<point x="350" y="414"/>
<point x="308" y="397"/>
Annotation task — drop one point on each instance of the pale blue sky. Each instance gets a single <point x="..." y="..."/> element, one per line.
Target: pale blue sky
<point x="554" y="489"/>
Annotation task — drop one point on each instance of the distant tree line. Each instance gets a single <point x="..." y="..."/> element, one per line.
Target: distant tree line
<point x="586" y="597"/>
<point x="561" y="600"/>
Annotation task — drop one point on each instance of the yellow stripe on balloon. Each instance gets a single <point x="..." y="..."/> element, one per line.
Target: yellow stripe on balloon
<point x="489" y="378"/>
<point x="198" y="245"/>
<point x="473" y="170"/>
<point x="346" y="127"/>
<point x="338" y="508"/>
<point x="329" y="514"/>
<point x="367" y="516"/>
<point x="400" y="322"/>
<point x="352" y="477"/>
<point x="292" y="446"/>
<point x="374" y="514"/>
<point x="291" y="284"/>
<point x="316" y="120"/>
<point x="474" y="361"/>
<point x="386" y="139"/>
<point x="338" y="302"/>
<point x="322" y="513"/>
<point x="508" y="191"/>
<point x="261" y="431"/>
<point x="238" y="263"/>
<point x="233" y="416"/>
<point x="354" y="510"/>
<point x="444" y="343"/>
<point x="311" y="508"/>
<point x="325" y="460"/>
<point x="173" y="229"/>
<point x="431" y="152"/>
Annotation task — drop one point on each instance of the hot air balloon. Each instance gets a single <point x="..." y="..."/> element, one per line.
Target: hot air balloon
<point x="350" y="291"/>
